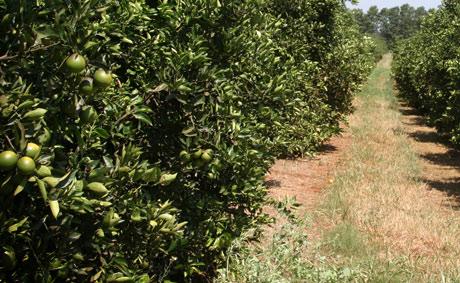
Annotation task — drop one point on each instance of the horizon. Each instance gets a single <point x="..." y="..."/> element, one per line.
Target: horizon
<point x="366" y="4"/>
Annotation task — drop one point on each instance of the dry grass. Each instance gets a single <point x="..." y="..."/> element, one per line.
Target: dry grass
<point x="381" y="193"/>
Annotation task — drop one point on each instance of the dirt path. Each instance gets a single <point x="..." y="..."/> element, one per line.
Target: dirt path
<point x="305" y="179"/>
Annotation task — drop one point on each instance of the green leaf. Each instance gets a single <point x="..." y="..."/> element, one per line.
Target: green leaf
<point x="160" y="88"/>
<point x="190" y="132"/>
<point x="42" y="188"/>
<point x="152" y="175"/>
<point x="102" y="133"/>
<point x="20" y="187"/>
<point x="66" y="180"/>
<point x="15" y="227"/>
<point x="54" y="207"/>
<point x="143" y="118"/>
<point x="167" y="179"/>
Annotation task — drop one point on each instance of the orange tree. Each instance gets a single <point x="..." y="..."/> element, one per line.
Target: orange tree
<point x="136" y="134"/>
<point x="426" y="69"/>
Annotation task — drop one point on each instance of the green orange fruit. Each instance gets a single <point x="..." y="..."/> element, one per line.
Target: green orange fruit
<point x="88" y="115"/>
<point x="75" y="63"/>
<point x="102" y="78"/>
<point x="8" y="160"/>
<point x="207" y="155"/>
<point x="70" y="108"/>
<point x="197" y="154"/>
<point x="184" y="155"/>
<point x="86" y="86"/>
<point x="199" y="163"/>
<point x="32" y="150"/>
<point x="26" y="165"/>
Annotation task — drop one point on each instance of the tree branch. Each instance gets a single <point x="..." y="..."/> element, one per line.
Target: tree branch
<point x="6" y="57"/>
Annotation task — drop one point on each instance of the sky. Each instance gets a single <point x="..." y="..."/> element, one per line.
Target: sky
<point x="365" y="4"/>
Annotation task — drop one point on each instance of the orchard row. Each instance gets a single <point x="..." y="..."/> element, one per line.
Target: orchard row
<point x="427" y="69"/>
<point x="136" y="135"/>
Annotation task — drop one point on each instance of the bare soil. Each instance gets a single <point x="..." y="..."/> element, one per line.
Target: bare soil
<point x="306" y="178"/>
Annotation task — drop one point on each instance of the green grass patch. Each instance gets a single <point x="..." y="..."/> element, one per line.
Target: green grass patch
<point x="345" y="240"/>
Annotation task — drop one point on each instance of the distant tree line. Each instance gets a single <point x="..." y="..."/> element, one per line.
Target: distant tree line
<point x="391" y="24"/>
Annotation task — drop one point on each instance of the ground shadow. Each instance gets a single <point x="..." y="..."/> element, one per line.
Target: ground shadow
<point x="416" y="120"/>
<point x="450" y="186"/>
<point x="327" y="148"/>
<point x="449" y="159"/>
<point x="406" y="110"/>
<point x="271" y="184"/>
<point x="429" y="137"/>
<point x="322" y="149"/>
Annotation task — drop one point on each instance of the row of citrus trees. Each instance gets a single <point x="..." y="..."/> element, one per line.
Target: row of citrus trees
<point x="136" y="134"/>
<point x="427" y="69"/>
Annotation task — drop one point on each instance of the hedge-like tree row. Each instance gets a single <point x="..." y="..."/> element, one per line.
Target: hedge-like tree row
<point x="136" y="134"/>
<point x="427" y="69"/>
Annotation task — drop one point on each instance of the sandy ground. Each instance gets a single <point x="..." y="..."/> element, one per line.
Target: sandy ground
<point x="305" y="179"/>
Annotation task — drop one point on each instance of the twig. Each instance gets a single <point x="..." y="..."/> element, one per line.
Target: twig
<point x="123" y="117"/>
<point x="6" y="57"/>
<point x="9" y="141"/>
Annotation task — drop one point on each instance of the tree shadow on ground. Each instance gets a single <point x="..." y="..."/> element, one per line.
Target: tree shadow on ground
<point x="407" y="110"/>
<point x="448" y="159"/>
<point x="271" y="184"/>
<point x="428" y="137"/>
<point x="327" y="148"/>
<point x="449" y="186"/>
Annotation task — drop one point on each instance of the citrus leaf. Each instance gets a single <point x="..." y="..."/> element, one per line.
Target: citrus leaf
<point x="102" y="133"/>
<point x="143" y="118"/>
<point x="15" y="227"/>
<point x="54" y="206"/>
<point x="42" y="188"/>
<point x="66" y="180"/>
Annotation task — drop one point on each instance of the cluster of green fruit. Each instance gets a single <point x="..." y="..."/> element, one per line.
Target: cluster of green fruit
<point x="25" y="165"/>
<point x="200" y="157"/>
<point x="101" y="79"/>
<point x="76" y="63"/>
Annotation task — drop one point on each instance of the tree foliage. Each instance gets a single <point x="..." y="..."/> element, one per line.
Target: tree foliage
<point x="426" y="69"/>
<point x="392" y="24"/>
<point x="153" y="157"/>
